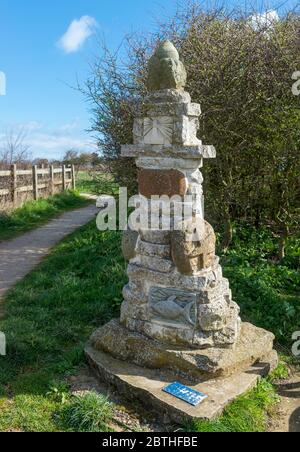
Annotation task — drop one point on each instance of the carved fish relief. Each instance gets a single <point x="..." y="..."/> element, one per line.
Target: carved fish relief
<point x="170" y="310"/>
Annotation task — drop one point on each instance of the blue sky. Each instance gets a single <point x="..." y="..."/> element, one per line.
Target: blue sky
<point x="45" y="46"/>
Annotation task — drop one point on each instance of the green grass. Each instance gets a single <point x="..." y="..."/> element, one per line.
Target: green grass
<point x="89" y="413"/>
<point x="249" y="413"/>
<point x="36" y="213"/>
<point x="49" y="317"/>
<point x="51" y="314"/>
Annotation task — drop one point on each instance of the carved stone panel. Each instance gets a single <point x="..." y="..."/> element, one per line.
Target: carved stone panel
<point x="191" y="256"/>
<point x="158" y="130"/>
<point x="173" y="306"/>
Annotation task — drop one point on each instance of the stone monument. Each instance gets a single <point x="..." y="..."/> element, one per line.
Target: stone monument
<point x="178" y="320"/>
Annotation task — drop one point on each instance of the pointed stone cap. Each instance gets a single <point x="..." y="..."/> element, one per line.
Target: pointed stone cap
<point x="167" y="50"/>
<point x="165" y="70"/>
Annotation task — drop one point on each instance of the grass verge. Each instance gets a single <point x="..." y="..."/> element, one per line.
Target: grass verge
<point x="49" y="317"/>
<point x="35" y="213"/>
<point x="249" y="413"/>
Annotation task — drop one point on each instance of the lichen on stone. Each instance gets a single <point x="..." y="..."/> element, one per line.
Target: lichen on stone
<point x="165" y="70"/>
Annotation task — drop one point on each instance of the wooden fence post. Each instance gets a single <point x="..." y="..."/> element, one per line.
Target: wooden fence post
<point x="14" y="183"/>
<point x="35" y="182"/>
<point x="73" y="178"/>
<point x="52" y="180"/>
<point x="14" y="186"/>
<point x="63" y="177"/>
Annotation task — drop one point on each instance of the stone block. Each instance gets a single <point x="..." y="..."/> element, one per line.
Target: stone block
<point x="134" y="294"/>
<point x="136" y="271"/>
<point x="138" y="131"/>
<point x="165" y="70"/>
<point x="158" y="130"/>
<point x="193" y="109"/>
<point x="169" y="96"/>
<point x="169" y="305"/>
<point x="155" y="263"/>
<point x="154" y="250"/>
<point x="156" y="237"/>
<point x="194" y="364"/>
<point x="161" y="182"/>
<point x="213" y="316"/>
<point x="198" y="151"/>
<point x="191" y="255"/>
<point x="185" y="131"/>
<point x="162" y="163"/>
<point x="135" y="311"/>
<point x="129" y="243"/>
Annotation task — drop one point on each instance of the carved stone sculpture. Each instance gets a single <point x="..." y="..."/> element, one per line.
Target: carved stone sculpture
<point x="190" y="256"/>
<point x="178" y="318"/>
<point x="173" y="305"/>
<point x="166" y="71"/>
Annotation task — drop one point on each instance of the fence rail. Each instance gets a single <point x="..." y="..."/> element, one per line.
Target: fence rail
<point x="35" y="181"/>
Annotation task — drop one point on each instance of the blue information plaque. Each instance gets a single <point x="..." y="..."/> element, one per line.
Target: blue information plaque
<point x="185" y="393"/>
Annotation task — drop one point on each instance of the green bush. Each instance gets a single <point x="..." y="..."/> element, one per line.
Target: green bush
<point x="267" y="292"/>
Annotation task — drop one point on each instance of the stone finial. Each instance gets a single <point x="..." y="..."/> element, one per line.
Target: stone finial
<point x="166" y="71"/>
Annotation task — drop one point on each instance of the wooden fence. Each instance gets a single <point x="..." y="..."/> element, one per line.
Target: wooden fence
<point x="34" y="183"/>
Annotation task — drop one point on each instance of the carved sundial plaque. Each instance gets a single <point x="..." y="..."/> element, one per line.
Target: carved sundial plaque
<point x="158" y="130"/>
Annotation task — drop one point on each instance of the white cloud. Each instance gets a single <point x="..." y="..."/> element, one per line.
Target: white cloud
<point x="69" y="127"/>
<point x="53" y="142"/>
<point x="264" y="20"/>
<point x="30" y="126"/>
<point x="45" y="142"/>
<point x="76" y="35"/>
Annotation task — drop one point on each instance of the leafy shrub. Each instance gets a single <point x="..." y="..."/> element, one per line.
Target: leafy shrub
<point x="267" y="292"/>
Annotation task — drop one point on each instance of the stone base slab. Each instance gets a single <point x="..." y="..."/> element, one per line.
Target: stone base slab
<point x="194" y="365"/>
<point x="146" y="386"/>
